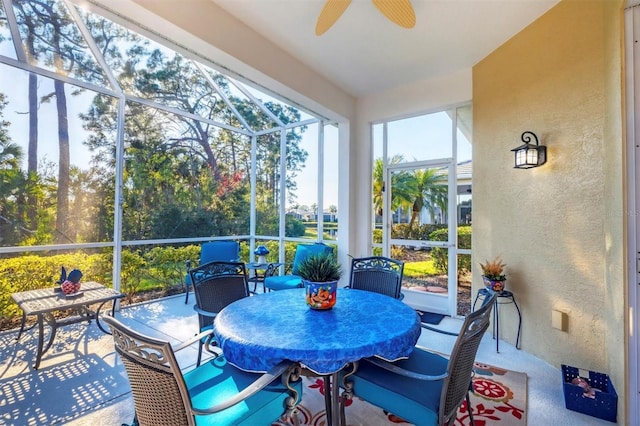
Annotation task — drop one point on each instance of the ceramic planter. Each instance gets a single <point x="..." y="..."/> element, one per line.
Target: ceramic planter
<point x="493" y="285"/>
<point x="320" y="296"/>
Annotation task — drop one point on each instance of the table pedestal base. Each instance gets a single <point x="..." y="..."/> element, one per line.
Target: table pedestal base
<point x="331" y="396"/>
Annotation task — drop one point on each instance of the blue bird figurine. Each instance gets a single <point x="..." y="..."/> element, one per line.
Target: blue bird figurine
<point x="74" y="276"/>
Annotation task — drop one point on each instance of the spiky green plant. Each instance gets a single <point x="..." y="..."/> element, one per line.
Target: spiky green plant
<point x="320" y="268"/>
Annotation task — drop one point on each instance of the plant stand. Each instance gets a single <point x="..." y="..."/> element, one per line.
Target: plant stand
<point x="504" y="294"/>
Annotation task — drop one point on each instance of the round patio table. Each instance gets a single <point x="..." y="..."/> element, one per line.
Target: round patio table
<point x="258" y="332"/>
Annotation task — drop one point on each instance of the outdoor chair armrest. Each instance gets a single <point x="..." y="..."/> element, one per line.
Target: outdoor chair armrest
<point x="290" y="372"/>
<point x="273" y="267"/>
<point x="401" y="371"/>
<point x="202" y="312"/>
<point x="192" y="340"/>
<point x="437" y="330"/>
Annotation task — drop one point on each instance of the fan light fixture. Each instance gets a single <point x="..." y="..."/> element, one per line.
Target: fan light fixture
<point x="399" y="12"/>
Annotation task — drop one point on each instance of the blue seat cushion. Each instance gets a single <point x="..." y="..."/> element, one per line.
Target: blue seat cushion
<point x="283" y="282"/>
<point x="214" y="382"/>
<point x="188" y="281"/>
<point x="293" y="280"/>
<point x="416" y="401"/>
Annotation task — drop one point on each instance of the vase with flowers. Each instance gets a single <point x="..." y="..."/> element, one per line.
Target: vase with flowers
<point x="493" y="274"/>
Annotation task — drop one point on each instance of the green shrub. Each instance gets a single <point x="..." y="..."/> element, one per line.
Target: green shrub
<point x="294" y="227"/>
<point x="167" y="265"/>
<point x="33" y="272"/>
<point x="440" y="255"/>
<point x="377" y="236"/>
<point x="416" y="232"/>
<point x="131" y="272"/>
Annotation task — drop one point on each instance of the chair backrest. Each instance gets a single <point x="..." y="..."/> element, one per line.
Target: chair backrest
<point x="303" y="251"/>
<point x="463" y="355"/>
<point x="160" y="394"/>
<point x="226" y="251"/>
<point x="216" y="285"/>
<point x="379" y="274"/>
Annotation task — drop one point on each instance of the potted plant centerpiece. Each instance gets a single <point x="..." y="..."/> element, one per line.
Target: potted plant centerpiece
<point x="320" y="274"/>
<point x="493" y="274"/>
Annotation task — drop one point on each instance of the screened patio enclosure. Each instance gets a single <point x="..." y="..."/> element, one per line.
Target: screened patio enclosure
<point x="121" y="151"/>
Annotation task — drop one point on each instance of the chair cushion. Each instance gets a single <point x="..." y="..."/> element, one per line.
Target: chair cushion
<point x="305" y="250"/>
<point x="416" y="401"/>
<point x="216" y="381"/>
<point x="283" y="282"/>
<point x="224" y="251"/>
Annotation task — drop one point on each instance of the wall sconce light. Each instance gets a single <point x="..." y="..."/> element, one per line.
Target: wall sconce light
<point x="529" y="155"/>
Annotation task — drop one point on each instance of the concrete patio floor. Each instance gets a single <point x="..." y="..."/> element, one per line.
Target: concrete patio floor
<point x="82" y="382"/>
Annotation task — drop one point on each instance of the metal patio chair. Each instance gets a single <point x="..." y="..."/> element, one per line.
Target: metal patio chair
<point x="426" y="388"/>
<point x="379" y="274"/>
<point x="215" y="393"/>
<point x="226" y="251"/>
<point x="215" y="285"/>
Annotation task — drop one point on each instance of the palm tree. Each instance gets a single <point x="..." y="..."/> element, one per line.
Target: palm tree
<point x="430" y="192"/>
<point x="401" y="184"/>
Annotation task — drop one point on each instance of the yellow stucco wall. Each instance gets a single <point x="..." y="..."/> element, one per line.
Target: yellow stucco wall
<point x="560" y="227"/>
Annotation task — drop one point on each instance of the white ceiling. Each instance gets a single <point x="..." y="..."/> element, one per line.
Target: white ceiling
<point x="365" y="53"/>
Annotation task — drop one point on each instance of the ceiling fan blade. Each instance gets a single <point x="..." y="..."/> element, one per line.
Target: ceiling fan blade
<point x="330" y="13"/>
<point x="398" y="11"/>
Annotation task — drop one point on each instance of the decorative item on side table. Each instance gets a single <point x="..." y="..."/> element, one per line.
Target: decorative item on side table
<point x="320" y="275"/>
<point x="70" y="285"/>
<point x="261" y="252"/>
<point x="493" y="274"/>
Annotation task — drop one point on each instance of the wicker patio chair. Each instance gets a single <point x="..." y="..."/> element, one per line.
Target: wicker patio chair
<point x="215" y="285"/>
<point x="426" y="388"/>
<point x="379" y="274"/>
<point x="215" y="393"/>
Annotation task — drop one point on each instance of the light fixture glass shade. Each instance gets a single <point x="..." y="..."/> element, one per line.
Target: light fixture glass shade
<point x="529" y="155"/>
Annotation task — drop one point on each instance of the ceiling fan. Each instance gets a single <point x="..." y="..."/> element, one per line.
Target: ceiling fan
<point x="397" y="11"/>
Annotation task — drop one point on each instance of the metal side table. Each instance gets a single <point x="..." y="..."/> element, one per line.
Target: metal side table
<point x="510" y="298"/>
<point x="257" y="273"/>
<point x="44" y="302"/>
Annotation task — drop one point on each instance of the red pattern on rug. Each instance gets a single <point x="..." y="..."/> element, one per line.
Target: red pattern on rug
<point x="499" y="397"/>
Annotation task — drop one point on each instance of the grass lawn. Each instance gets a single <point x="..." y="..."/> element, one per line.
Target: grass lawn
<point x="420" y="269"/>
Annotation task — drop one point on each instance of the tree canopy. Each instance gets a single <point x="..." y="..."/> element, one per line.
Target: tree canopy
<point x="184" y="128"/>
